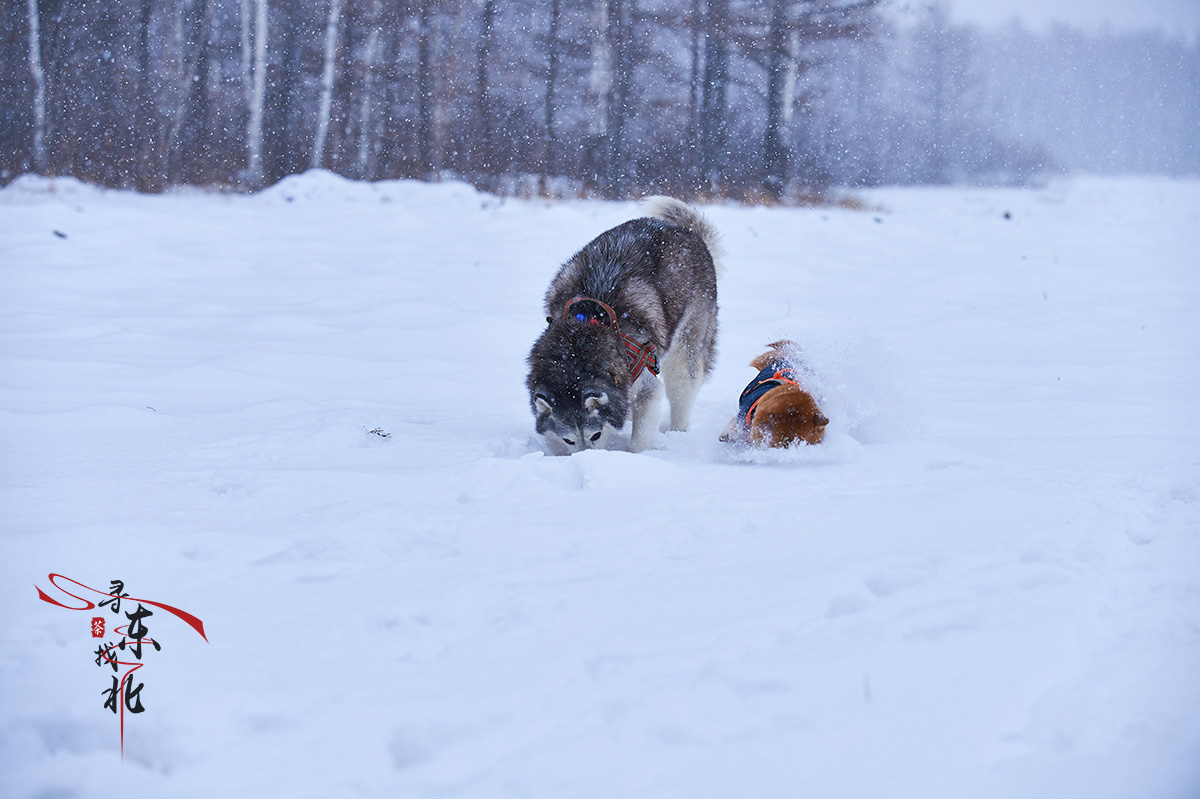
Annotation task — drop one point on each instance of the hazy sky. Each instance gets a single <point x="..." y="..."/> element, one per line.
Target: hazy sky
<point x="1176" y="16"/>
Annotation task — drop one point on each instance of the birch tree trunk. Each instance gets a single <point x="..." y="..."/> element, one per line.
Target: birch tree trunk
<point x="599" y="90"/>
<point x="550" y="164"/>
<point x="370" y="53"/>
<point x="39" y="89"/>
<point x="714" y="102"/>
<point x="247" y="76"/>
<point x="331" y="34"/>
<point x="254" y="124"/>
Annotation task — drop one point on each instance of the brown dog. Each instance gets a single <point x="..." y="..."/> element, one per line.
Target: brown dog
<point x="774" y="411"/>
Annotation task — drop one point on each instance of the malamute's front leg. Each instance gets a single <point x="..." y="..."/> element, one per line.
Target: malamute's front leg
<point x="646" y="408"/>
<point x="686" y="364"/>
<point x="682" y="384"/>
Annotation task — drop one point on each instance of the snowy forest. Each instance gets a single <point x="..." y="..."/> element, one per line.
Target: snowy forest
<point x="754" y="99"/>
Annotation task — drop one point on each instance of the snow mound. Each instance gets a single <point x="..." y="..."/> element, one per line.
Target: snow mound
<point x="318" y="186"/>
<point x="32" y="187"/>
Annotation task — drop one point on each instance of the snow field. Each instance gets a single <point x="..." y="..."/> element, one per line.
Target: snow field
<point x="983" y="584"/>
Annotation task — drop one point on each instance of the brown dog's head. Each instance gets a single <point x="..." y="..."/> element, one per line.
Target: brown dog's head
<point x="785" y="415"/>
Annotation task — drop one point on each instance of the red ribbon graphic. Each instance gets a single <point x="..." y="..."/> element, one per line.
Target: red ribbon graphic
<point x="186" y="617"/>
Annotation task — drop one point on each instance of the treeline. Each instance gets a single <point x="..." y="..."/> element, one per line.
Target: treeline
<point x="774" y="99"/>
<point x="618" y="95"/>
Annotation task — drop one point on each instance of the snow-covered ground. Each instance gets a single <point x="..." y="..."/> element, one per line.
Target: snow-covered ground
<point x="986" y="583"/>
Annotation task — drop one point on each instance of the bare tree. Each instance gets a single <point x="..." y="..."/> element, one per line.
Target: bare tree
<point x="792" y="26"/>
<point x="599" y="94"/>
<point x="608" y="93"/>
<point x="189" y="154"/>
<point x="151" y="176"/>
<point x="774" y="147"/>
<point x="39" y="89"/>
<point x="695" y="87"/>
<point x="714" y="116"/>
<point x="244" y="49"/>
<point x="284" y="151"/>
<point x="938" y="73"/>
<point x="366" y="80"/>
<point x="483" y="160"/>
<point x="621" y="35"/>
<point x="326" y="95"/>
<point x="425" y="98"/>
<point x="550" y="160"/>
<point x="254" y="123"/>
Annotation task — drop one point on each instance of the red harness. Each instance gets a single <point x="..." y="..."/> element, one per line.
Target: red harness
<point x="593" y="312"/>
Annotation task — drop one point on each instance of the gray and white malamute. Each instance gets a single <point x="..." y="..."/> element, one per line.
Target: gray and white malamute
<point x="637" y="302"/>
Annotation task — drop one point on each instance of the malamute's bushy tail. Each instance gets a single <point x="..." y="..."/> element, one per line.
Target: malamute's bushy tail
<point x="677" y="212"/>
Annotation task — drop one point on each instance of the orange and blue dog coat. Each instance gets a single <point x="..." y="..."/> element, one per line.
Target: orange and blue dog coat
<point x="775" y="375"/>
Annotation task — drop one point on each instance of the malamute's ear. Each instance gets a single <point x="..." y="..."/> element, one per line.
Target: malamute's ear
<point x="594" y="400"/>
<point x="542" y="403"/>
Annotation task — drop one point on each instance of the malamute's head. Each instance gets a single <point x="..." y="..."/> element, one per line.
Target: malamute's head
<point x="578" y="385"/>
